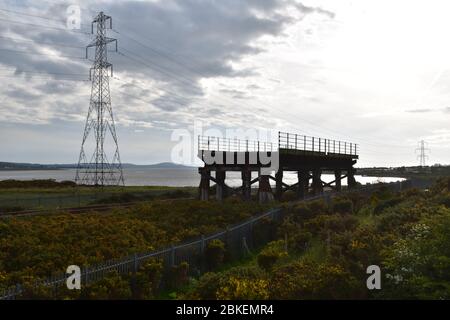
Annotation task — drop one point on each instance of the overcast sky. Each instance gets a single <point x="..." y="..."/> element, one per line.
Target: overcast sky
<point x="371" y="72"/>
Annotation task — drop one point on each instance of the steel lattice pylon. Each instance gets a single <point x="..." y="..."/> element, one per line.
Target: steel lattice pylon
<point x="97" y="169"/>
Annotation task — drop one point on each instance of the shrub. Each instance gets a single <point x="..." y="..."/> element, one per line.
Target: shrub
<point x="111" y="287"/>
<point x="215" y="253"/>
<point x="118" y="198"/>
<point x="301" y="212"/>
<point x="312" y="280"/>
<point x="386" y="204"/>
<point x="343" y="206"/>
<point x="300" y="240"/>
<point x="271" y="254"/>
<point x="211" y="285"/>
<point x="178" y="276"/>
<point x="318" y="207"/>
<point x="264" y="230"/>
<point x="334" y="223"/>
<point x="148" y="279"/>
<point x="243" y="289"/>
<point x="289" y="196"/>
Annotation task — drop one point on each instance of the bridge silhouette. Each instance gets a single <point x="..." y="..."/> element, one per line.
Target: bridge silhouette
<point x="309" y="157"/>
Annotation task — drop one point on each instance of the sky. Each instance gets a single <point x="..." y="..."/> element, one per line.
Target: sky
<point x="376" y="73"/>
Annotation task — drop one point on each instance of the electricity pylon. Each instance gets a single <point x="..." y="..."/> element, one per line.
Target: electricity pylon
<point x="422" y="153"/>
<point x="98" y="170"/>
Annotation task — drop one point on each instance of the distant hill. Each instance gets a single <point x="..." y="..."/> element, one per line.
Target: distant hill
<point x="35" y="166"/>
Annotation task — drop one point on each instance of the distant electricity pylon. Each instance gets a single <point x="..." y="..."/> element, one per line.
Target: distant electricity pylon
<point x="98" y="170"/>
<point x="422" y="149"/>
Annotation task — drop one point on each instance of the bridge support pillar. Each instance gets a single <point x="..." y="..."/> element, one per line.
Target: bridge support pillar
<point x="265" y="191"/>
<point x="338" y="178"/>
<point x="279" y="185"/>
<point x="220" y="186"/>
<point x="246" y="184"/>
<point x="317" y="182"/>
<point x="303" y="183"/>
<point x="351" y="181"/>
<point x="204" y="185"/>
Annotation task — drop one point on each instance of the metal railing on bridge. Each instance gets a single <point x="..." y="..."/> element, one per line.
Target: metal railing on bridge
<point x="233" y="145"/>
<point x="293" y="141"/>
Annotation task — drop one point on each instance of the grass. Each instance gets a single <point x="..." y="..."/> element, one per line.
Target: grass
<point x="67" y="197"/>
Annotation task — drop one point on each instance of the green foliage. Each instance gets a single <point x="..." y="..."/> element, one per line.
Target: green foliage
<point x="148" y="279"/>
<point x="271" y="254"/>
<point x="419" y="264"/>
<point x="215" y="253"/>
<point x="263" y="230"/>
<point x="178" y="276"/>
<point x="408" y="236"/>
<point x="243" y="289"/>
<point x="310" y="280"/>
<point x="239" y="283"/>
<point x="383" y="205"/>
<point x="45" y="244"/>
<point x="343" y="206"/>
<point x="111" y="287"/>
<point x="324" y="224"/>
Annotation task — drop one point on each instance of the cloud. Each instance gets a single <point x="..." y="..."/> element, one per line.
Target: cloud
<point x="307" y="10"/>
<point x="174" y="43"/>
<point x="420" y="110"/>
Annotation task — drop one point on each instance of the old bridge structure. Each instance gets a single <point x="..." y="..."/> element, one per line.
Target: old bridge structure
<point x="309" y="157"/>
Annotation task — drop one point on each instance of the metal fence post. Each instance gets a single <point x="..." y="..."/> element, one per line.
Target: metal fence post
<point x="86" y="276"/>
<point x="203" y="244"/>
<point x="172" y="256"/>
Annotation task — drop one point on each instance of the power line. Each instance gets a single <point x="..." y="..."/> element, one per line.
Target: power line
<point x="18" y="70"/>
<point x="31" y="15"/>
<point x="59" y="44"/>
<point x="46" y="78"/>
<point x="45" y="27"/>
<point x="42" y="54"/>
<point x="167" y="56"/>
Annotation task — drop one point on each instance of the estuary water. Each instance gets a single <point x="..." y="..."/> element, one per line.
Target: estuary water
<point x="176" y="177"/>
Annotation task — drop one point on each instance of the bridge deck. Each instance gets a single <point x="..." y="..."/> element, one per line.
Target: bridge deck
<point x="294" y="152"/>
<point x="308" y="156"/>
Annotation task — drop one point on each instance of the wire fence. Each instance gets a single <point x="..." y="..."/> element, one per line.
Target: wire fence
<point x="239" y="240"/>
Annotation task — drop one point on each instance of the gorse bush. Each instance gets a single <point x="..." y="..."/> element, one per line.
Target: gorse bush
<point x="407" y="234"/>
<point x="215" y="254"/>
<point x="46" y="244"/>
<point x="343" y="206"/>
<point x="243" y="289"/>
<point x="309" y="280"/>
<point x="271" y="254"/>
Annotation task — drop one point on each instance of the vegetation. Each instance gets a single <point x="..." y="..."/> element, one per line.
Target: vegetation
<point x="48" y="194"/>
<point x="37" y="246"/>
<point x="329" y="248"/>
<point x="321" y="249"/>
